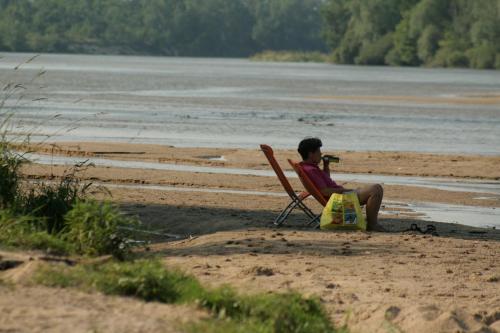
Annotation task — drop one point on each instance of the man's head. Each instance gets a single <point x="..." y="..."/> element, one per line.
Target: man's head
<point x="310" y="151"/>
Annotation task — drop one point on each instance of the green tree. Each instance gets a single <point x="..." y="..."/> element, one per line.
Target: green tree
<point x="14" y="25"/>
<point x="287" y="24"/>
<point x="336" y="16"/>
<point x="362" y="31"/>
<point x="414" y="32"/>
<point x="405" y="46"/>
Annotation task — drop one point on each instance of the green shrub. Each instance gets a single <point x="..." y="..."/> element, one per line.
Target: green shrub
<point x="405" y="46"/>
<point x="151" y="281"/>
<point x="96" y="228"/>
<point x="290" y="56"/>
<point x="41" y="241"/>
<point x="497" y="61"/>
<point x="147" y="280"/>
<point x="392" y="58"/>
<point x="482" y="57"/>
<point x="288" y="312"/>
<point x="52" y="201"/>
<point x="24" y="232"/>
<point x="374" y="53"/>
<point x="10" y="163"/>
<point x="428" y="43"/>
<point x="457" y="59"/>
<point x="52" y="216"/>
<point x="11" y="223"/>
<point x="446" y="57"/>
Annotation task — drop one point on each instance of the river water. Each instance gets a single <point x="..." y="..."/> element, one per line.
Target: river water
<point x="240" y="103"/>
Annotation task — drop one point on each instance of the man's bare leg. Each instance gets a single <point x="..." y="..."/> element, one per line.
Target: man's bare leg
<point x="371" y="196"/>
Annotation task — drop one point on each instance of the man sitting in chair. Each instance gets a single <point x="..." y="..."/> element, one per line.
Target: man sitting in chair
<point x="371" y="196"/>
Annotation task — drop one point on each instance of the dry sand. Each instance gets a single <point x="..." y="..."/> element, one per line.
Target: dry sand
<point x="39" y="309"/>
<point x="373" y="282"/>
<point x="25" y="307"/>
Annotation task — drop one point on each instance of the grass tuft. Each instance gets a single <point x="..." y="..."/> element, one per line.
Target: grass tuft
<point x="22" y="232"/>
<point x="98" y="228"/>
<point x="52" y="201"/>
<point x="149" y="280"/>
<point x="10" y="163"/>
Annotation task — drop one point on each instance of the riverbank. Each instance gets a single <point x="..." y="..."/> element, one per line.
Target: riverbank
<point x="218" y="227"/>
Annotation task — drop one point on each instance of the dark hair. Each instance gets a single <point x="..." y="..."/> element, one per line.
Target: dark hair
<point x="309" y="145"/>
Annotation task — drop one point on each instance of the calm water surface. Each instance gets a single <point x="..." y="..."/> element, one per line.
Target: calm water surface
<point x="239" y="103"/>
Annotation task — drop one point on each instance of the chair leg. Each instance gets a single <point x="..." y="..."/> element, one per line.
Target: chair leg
<point x="285" y="213"/>
<point x="315" y="220"/>
<point x="306" y="209"/>
<point x="297" y="202"/>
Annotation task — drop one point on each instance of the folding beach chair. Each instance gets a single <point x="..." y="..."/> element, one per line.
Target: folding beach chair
<point x="297" y="199"/>
<point x="310" y="187"/>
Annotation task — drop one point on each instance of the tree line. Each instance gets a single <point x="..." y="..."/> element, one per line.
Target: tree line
<point x="447" y="33"/>
<point x="444" y="33"/>
<point x="210" y="28"/>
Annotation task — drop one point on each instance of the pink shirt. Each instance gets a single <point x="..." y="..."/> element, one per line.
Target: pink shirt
<point x="319" y="177"/>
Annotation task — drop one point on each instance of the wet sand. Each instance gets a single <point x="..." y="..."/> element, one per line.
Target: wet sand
<point x="399" y="164"/>
<point x="384" y="163"/>
<point x="470" y="99"/>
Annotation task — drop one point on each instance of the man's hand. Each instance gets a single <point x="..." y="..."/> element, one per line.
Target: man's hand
<point x="326" y="165"/>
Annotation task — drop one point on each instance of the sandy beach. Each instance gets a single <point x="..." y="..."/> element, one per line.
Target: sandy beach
<point x="399" y="281"/>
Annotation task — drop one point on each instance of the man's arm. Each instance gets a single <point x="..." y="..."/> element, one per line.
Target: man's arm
<point x="328" y="191"/>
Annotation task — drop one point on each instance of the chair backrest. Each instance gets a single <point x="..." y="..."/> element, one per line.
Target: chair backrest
<point x="268" y="151"/>
<point x="308" y="183"/>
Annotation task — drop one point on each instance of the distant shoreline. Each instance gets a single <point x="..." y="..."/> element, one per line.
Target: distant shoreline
<point x="313" y="57"/>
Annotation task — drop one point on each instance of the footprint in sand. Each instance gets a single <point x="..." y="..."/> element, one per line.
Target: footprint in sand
<point x="430" y="312"/>
<point x="392" y="312"/>
<point x="493" y="320"/>
<point x="260" y="271"/>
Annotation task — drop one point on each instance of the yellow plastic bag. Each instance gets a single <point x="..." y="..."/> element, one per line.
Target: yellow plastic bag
<point x="343" y="212"/>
